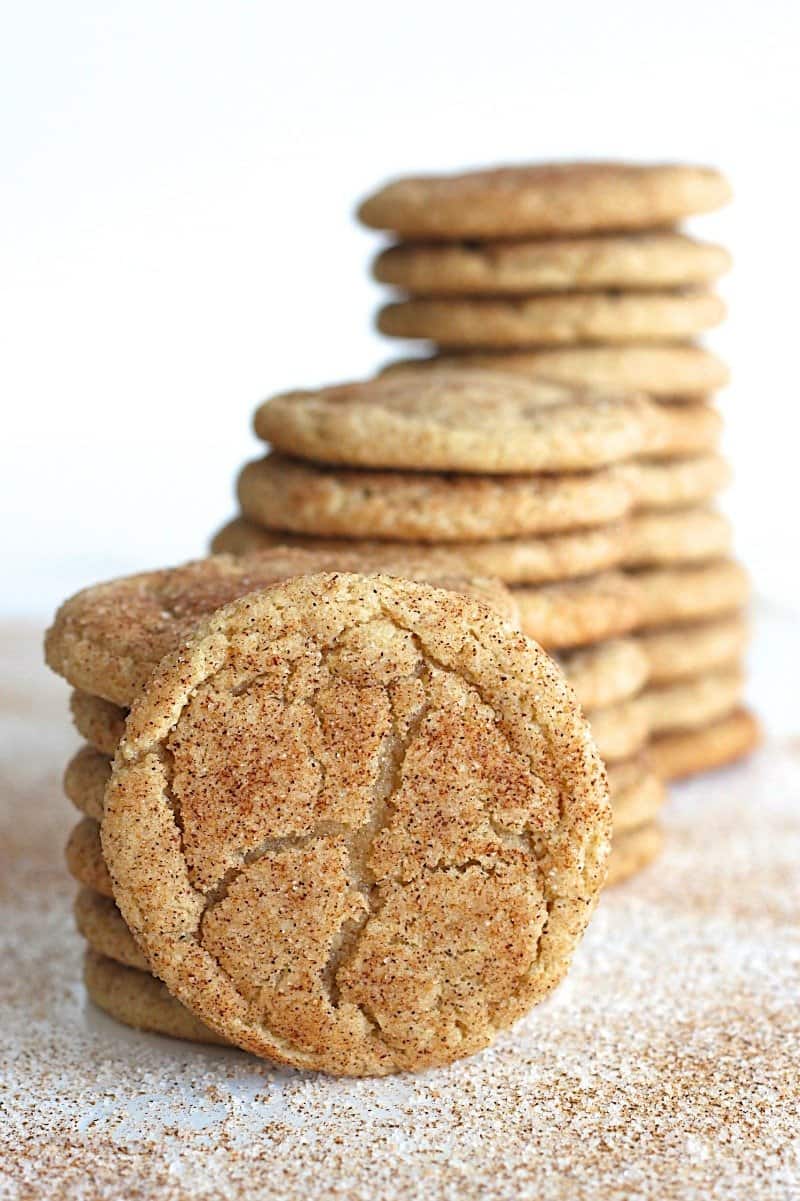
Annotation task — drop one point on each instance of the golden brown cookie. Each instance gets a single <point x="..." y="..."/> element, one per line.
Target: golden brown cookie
<point x="676" y="536"/>
<point x="300" y="497"/>
<point x="579" y="612"/>
<point x="680" y="429"/>
<point x="694" y="703"/>
<point x="87" y="775"/>
<point x="637" y="794"/>
<point x="462" y="421"/>
<point x="678" y="652"/>
<point x="607" y="672"/>
<point x="96" y="720"/>
<point x="673" y="595"/>
<point x="620" y="731"/>
<point x="534" y="560"/>
<point x="571" y="318"/>
<point x="107" y="639"/>
<point x="634" y="850"/>
<point x="672" y="483"/>
<point x="721" y="742"/>
<point x="100" y="922"/>
<point x="544" y="198"/>
<point x="137" y="999"/>
<point x="664" y="259"/>
<point x="387" y="908"/>
<point x="674" y="370"/>
<point x="84" y="858"/>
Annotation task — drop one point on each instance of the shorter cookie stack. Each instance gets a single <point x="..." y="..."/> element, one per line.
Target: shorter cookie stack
<point x="354" y="822"/>
<point x="539" y="485"/>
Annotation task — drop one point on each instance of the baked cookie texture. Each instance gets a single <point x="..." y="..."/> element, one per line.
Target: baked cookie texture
<point x="485" y="423"/>
<point x="389" y="909"/>
<point x="687" y="752"/>
<point x="550" y="198"/>
<point x="107" y="639"/>
<point x="572" y="318"/>
<point x="681" y="370"/>
<point x="664" y="259"/>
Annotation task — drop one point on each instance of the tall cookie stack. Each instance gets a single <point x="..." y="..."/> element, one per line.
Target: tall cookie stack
<point x="354" y="822"/>
<point x="576" y="272"/>
<point x="539" y="485"/>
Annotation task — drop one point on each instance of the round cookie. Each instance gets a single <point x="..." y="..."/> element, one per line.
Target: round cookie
<point x="664" y="259"/>
<point x="694" y="703"/>
<point x="634" y="850"/>
<point x="107" y="639"/>
<point x="637" y="794"/>
<point x="579" y="612"/>
<point x="513" y="560"/>
<point x="687" y="752"/>
<point x="689" y="650"/>
<point x="573" y="318"/>
<point x="606" y="673"/>
<point x="676" y="536"/>
<point x="137" y="999"/>
<point x="86" y="777"/>
<point x="673" y="483"/>
<point x="620" y="731"/>
<point x="544" y="198"/>
<point x="308" y="498"/>
<point x="461" y="421"/>
<point x="673" y="595"/>
<point x="679" y="430"/>
<point x="99" y="921"/>
<point x="674" y="370"/>
<point x="85" y="860"/>
<point x="386" y="909"/>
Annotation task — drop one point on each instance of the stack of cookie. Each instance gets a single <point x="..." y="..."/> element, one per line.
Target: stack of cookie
<point x="575" y="271"/>
<point x="541" y="486"/>
<point x="354" y="822"/>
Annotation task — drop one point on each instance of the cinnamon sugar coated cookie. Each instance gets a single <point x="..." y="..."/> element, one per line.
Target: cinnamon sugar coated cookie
<point x="388" y="909"/>
<point x="107" y="639"/>
<point x="457" y="421"/>
<point x="685" y="752"/>
<point x="649" y="260"/>
<point x="309" y="498"/>
<point x="633" y="851"/>
<point x="100" y="922"/>
<point x="674" y="370"/>
<point x="581" y="318"/>
<point x="549" y="198"/>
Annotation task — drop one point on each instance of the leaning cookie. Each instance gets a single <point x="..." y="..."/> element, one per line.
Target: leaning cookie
<point x="455" y="851"/>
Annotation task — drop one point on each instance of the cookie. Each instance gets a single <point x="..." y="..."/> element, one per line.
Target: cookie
<point x="679" y="430"/>
<point x="137" y="999"/>
<point x="689" y="650"/>
<point x="606" y="673"/>
<point x="579" y="612"/>
<point x="571" y="318"/>
<point x="308" y="498"/>
<point x="85" y="860"/>
<point x="87" y="773"/>
<point x="96" y="720"/>
<point x="99" y="921"/>
<point x="673" y="595"/>
<point x="721" y="742"/>
<point x="673" y="483"/>
<point x="674" y="370"/>
<point x="620" y="731"/>
<point x="458" y="421"/>
<point x="514" y="560"/>
<point x="692" y="704"/>
<point x="633" y="851"/>
<point x="676" y="536"/>
<point x="664" y="259"/>
<point x="107" y="639"/>
<point x="545" y="198"/>
<point x="386" y="909"/>
<point x="637" y="794"/>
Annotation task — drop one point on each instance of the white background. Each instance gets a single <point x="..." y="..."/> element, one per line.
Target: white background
<point x="177" y="241"/>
